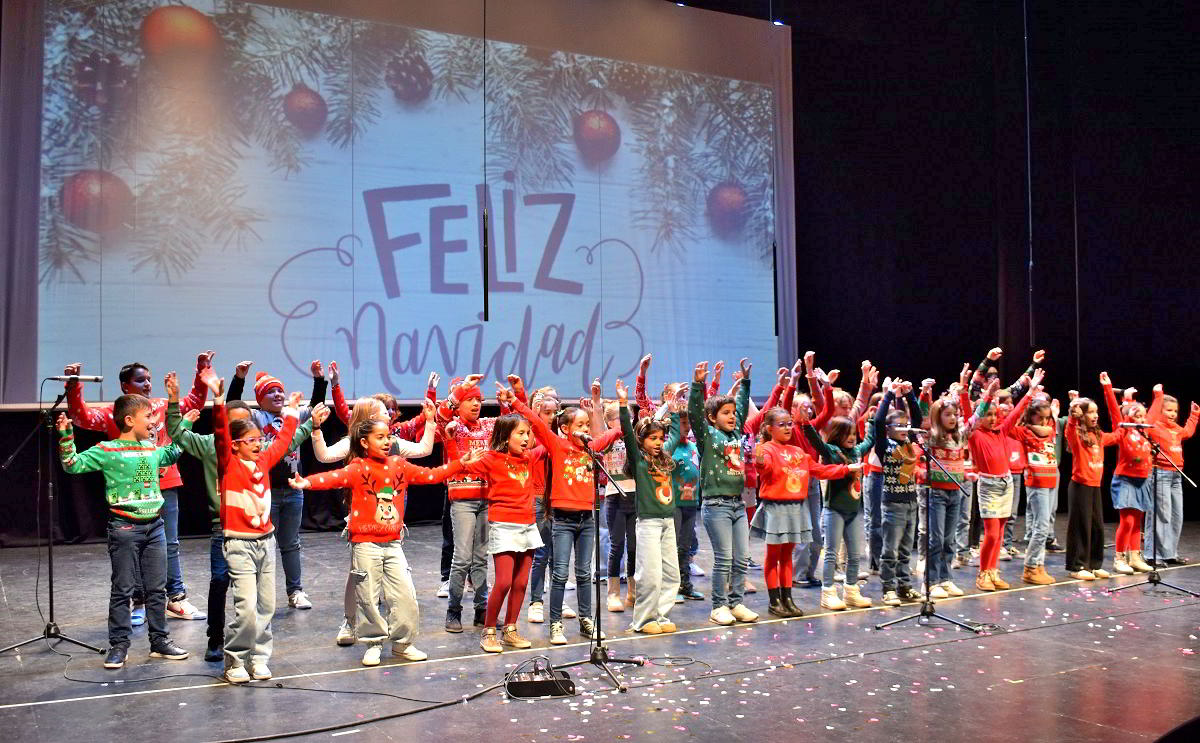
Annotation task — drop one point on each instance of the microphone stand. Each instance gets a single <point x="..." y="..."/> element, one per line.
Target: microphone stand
<point x="1153" y="578"/>
<point x="927" y="606"/>
<point x="51" y="630"/>
<point x="598" y="653"/>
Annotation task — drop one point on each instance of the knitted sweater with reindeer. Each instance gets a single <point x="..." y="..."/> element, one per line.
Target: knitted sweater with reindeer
<point x="377" y="490"/>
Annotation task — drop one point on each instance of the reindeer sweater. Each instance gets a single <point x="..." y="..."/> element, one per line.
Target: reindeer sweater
<point x="377" y="490"/>
<point x="245" y="486"/>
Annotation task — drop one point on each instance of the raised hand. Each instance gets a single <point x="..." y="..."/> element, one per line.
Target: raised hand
<point x="1105" y="380"/>
<point x="597" y="389"/>
<point x="622" y="392"/>
<point x="644" y="364"/>
<point x="927" y="384"/>
<point x="472" y="380"/>
<point x="204" y="360"/>
<point x="1072" y="395"/>
<point x="515" y="382"/>
<point x="320" y="414"/>
<point x="833" y="375"/>
<point x="1128" y="393"/>
<point x="1039" y="356"/>
<point x="809" y="361"/>
<point x="335" y="374"/>
<point x="701" y="372"/>
<point x="990" y="390"/>
<point x="504" y="395"/>
<point x="905" y="387"/>
<point x="171" y="383"/>
<point x="434" y="380"/>
<point x="63" y="422"/>
<point x="294" y="399"/>
<point x="316" y="368"/>
<point x="995" y="354"/>
<point x="191" y="416"/>
<point x="242" y="369"/>
<point x="744" y="364"/>
<point x="1195" y="408"/>
<point x="1038" y="375"/>
<point x="1158" y="388"/>
<point x="214" y="383"/>
<point x="873" y="378"/>
<point x="72" y="370"/>
<point x="781" y="376"/>
<point x="964" y="376"/>
<point x="1055" y="407"/>
<point x="428" y="410"/>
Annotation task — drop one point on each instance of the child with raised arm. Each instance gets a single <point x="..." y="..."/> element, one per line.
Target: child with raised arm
<point x="136" y="536"/>
<point x="898" y="458"/>
<point x="948" y="445"/>
<point x="378" y="483"/>
<point x="1169" y="435"/>
<point x="717" y="423"/>
<point x="244" y="463"/>
<point x="1037" y="434"/>
<point x="1085" y="512"/>
<point x="1132" y="489"/>
<point x="656" y="572"/>
<point x="685" y="481"/>
<point x="135" y="379"/>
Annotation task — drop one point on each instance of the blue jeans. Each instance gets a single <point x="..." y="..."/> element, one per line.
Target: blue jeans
<point x="1053" y="509"/>
<point x="1037" y="516"/>
<point x="805" y="559"/>
<point x="572" y="533"/>
<point x="729" y="533"/>
<point x="899" y="531"/>
<point x="469" y="522"/>
<point x="542" y="555"/>
<point x="218" y="588"/>
<point x="943" y="526"/>
<point x="132" y="547"/>
<point x="1168" y="521"/>
<point x="170" y="513"/>
<point x="685" y="540"/>
<point x="962" y="530"/>
<point x="873" y="509"/>
<point x="287" y="508"/>
<point x="837" y="526"/>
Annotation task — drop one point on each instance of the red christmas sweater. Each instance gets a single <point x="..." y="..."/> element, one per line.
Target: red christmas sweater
<point x="377" y="490"/>
<point x="1041" y="469"/>
<point x="784" y="471"/>
<point x="574" y="488"/>
<point x="509" y="485"/>
<point x="1169" y="435"/>
<point x="245" y="487"/>
<point x="100" y="418"/>
<point x="991" y="451"/>
<point x="1133" y="455"/>
<point x="468" y="436"/>
<point x="1087" y="462"/>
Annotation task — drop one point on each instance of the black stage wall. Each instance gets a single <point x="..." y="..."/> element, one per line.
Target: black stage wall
<point x="911" y="197"/>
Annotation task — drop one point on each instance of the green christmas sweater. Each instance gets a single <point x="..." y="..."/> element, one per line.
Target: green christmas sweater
<point x="722" y="471"/>
<point x="130" y="472"/>
<point x="653" y="490"/>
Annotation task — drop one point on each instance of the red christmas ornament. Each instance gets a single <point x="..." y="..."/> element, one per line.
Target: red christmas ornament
<point x="597" y="136"/>
<point x="409" y="77"/>
<point x="306" y="109"/>
<point x="727" y="203"/>
<point x="177" y="30"/>
<point x="102" y="81"/>
<point x="96" y="200"/>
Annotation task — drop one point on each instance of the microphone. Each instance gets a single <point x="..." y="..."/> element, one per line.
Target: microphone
<point x="908" y="429"/>
<point x="582" y="437"/>
<point x="1136" y="425"/>
<point x="76" y="378"/>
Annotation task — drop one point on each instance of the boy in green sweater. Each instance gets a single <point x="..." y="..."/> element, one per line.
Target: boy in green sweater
<point x="718" y="423"/>
<point x="202" y="447"/>
<point x="136" y="535"/>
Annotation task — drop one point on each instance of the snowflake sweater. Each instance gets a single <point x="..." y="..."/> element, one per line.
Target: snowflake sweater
<point x="130" y="473"/>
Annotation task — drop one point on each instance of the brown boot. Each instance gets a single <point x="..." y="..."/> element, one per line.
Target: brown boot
<point x="983" y="581"/>
<point x="512" y="638"/>
<point x="629" y="593"/>
<point x="1036" y="576"/>
<point x="998" y="582"/>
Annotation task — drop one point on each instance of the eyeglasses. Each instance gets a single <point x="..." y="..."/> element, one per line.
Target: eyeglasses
<point x="250" y="440"/>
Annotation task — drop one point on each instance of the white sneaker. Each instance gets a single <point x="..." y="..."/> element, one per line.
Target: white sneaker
<point x="863" y="574"/>
<point x="743" y="614"/>
<point x="891" y="598"/>
<point x="1006" y="554"/>
<point x="1082" y="575"/>
<point x="570" y="585"/>
<point x="722" y="616"/>
<point x="937" y="592"/>
<point x="371" y="657"/>
<point x="537" y="613"/>
<point x="236" y="675"/>
<point x="952" y="589"/>
<point x="1099" y="573"/>
<point x="259" y="671"/>
<point x="557" y="636"/>
<point x="568" y="612"/>
<point x="345" y="635"/>
<point x="184" y="609"/>
<point x="697" y="571"/>
<point x="409" y="653"/>
<point x="299" y="600"/>
<point x="444" y="590"/>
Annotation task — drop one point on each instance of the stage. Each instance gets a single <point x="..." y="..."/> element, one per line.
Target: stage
<point x="1073" y="663"/>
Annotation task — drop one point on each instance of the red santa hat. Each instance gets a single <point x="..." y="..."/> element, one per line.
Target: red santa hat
<point x="263" y="383"/>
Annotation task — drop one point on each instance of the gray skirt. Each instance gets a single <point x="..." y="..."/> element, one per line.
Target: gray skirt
<point x="782" y="522"/>
<point x="1132" y="492"/>
<point x="995" y="496"/>
<point x="504" y="536"/>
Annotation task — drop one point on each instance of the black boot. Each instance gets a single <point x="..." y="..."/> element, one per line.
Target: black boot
<point x="454" y="621"/>
<point x="480" y="617"/>
<point x="776" y="606"/>
<point x="786" y="599"/>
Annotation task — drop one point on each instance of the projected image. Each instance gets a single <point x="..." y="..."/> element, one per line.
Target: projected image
<point x="285" y="185"/>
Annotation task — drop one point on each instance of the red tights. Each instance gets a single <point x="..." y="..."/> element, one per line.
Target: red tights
<point x="1129" y="531"/>
<point x="993" y="537"/>
<point x="512" y="575"/>
<point x="777" y="570"/>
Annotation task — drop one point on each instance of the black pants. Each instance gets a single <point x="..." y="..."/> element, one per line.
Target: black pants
<point x="1085" y="527"/>
<point x="447" y="539"/>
